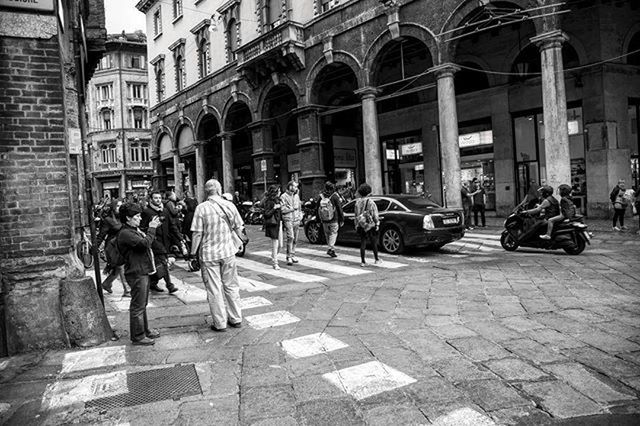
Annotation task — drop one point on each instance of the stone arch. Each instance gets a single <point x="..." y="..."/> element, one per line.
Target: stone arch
<point x="206" y="110"/>
<point x="462" y="11"/>
<point x="284" y="80"/>
<point x="162" y="130"/>
<point x="183" y="121"/>
<point x="407" y="29"/>
<point x="323" y="77"/>
<point x="339" y="56"/>
<point x="630" y="36"/>
<point x="240" y="97"/>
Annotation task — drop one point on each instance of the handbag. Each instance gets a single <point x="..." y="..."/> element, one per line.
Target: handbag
<point x="364" y="219"/>
<point x="238" y="236"/>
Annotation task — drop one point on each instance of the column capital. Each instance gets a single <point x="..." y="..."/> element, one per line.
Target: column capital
<point x="550" y="39"/>
<point x="225" y="135"/>
<point x="199" y="143"/>
<point x="444" y="70"/>
<point x="367" y="92"/>
<point x="175" y="151"/>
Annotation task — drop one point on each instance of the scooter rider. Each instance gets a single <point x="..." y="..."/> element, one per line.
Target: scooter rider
<point x="549" y="204"/>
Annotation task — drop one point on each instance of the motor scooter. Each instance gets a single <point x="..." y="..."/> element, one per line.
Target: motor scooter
<point x="522" y="230"/>
<point x="311" y="222"/>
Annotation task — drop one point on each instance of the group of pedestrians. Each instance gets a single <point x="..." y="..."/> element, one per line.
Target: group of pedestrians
<point x="621" y="198"/>
<point x="474" y="199"/>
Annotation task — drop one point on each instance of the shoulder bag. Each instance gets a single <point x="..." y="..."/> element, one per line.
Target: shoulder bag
<point x="239" y="237"/>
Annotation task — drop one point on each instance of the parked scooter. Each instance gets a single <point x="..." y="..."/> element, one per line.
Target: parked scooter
<point x="521" y="230"/>
<point x="254" y="215"/>
<point x="311" y="222"/>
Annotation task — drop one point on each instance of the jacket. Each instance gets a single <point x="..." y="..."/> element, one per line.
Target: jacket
<point x="271" y="215"/>
<point x="135" y="249"/>
<point x="108" y="229"/>
<point x="167" y="234"/>
<point x="337" y="205"/>
<point x="291" y="207"/>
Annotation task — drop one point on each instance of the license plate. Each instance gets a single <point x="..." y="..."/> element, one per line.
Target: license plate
<point x="451" y="221"/>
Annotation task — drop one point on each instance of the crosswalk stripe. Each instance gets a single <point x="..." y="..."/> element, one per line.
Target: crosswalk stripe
<point x="491" y="243"/>
<point x="386" y="264"/>
<point x="188" y="293"/>
<point x="482" y="236"/>
<point x="251" y="285"/>
<point x="261" y="268"/>
<point x="271" y="319"/>
<point x="254" y="302"/>
<point x="324" y="266"/>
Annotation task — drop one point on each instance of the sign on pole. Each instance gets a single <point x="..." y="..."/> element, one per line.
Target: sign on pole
<point x="263" y="165"/>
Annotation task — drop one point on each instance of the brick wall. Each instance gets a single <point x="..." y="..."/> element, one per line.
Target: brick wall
<point x="34" y="200"/>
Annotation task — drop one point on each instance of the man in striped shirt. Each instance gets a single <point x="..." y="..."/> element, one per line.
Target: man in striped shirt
<point x="212" y="226"/>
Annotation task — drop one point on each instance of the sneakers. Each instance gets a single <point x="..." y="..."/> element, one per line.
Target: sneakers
<point x="143" y="342"/>
<point x="156" y="288"/>
<point x="276" y="267"/>
<point x="289" y="261"/>
<point x="234" y="324"/>
<point x="545" y="237"/>
<point x="219" y="330"/>
<point x="377" y="262"/>
<point x="362" y="265"/>
<point x="172" y="289"/>
<point x="153" y="334"/>
<point x="332" y="253"/>
<point x="624" y="228"/>
<point x="107" y="289"/>
<point x="615" y="228"/>
<point x="294" y="259"/>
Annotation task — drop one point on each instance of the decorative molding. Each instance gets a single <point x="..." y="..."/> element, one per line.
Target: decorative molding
<point x="393" y="21"/>
<point x="157" y="59"/>
<point x="176" y="44"/>
<point x="327" y="49"/>
<point x="204" y="24"/>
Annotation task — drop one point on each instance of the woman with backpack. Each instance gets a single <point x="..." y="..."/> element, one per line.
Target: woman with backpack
<point x="331" y="215"/>
<point x="367" y="222"/>
<point x="273" y="221"/>
<point x="109" y="228"/>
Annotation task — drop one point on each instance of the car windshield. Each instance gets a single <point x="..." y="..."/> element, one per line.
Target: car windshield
<point x="419" y="203"/>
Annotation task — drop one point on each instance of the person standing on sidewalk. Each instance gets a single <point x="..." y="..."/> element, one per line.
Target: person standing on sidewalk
<point x="167" y="235"/>
<point x="479" y="201"/>
<point x="466" y="204"/>
<point x="367" y="222"/>
<point x="135" y="247"/>
<point x="291" y="217"/>
<point x="331" y="216"/>
<point x="109" y="229"/>
<point x="272" y="215"/>
<point x="619" y="201"/>
<point x="214" y="221"/>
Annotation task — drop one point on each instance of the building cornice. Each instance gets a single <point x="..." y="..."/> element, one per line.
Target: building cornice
<point x="179" y="42"/>
<point x="144" y="5"/>
<point x="204" y="23"/>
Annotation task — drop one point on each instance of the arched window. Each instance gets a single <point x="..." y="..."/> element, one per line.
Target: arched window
<point x="104" y="154"/>
<point x="112" y="153"/>
<point x="634" y="50"/>
<point x="232" y="40"/>
<point x="204" y="58"/>
<point x="181" y="75"/>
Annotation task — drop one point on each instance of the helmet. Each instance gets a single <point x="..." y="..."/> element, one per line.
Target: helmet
<point x="564" y="190"/>
<point x="546" y="191"/>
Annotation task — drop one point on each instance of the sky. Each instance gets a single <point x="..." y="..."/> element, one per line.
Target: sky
<point x="123" y="15"/>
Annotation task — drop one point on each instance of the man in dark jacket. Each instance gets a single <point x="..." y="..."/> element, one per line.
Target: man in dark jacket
<point x="167" y="235"/>
<point x="331" y="216"/>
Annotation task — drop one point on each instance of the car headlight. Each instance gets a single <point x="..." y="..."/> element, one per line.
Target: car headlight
<point x="427" y="222"/>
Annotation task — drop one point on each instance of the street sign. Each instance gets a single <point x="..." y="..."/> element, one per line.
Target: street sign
<point x="263" y="165"/>
<point x="31" y="5"/>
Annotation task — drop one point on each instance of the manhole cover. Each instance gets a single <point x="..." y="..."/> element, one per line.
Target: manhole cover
<point x="153" y="385"/>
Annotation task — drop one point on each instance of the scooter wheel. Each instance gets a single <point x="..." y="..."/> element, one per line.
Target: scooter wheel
<point x="577" y="248"/>
<point x="508" y="242"/>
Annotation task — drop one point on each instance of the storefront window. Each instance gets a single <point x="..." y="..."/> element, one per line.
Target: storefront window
<point x="476" y="157"/>
<point x="403" y="164"/>
<point x="634" y="118"/>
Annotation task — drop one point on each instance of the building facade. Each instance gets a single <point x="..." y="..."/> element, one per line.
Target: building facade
<point x="47" y="53"/>
<point x="411" y="96"/>
<point x="119" y="137"/>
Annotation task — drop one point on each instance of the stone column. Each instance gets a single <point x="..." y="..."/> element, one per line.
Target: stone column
<point x="262" y="150"/>
<point x="554" y="104"/>
<point x="311" y="149"/>
<point x="228" y="183"/>
<point x="177" y="174"/>
<point x="449" y="148"/>
<point x="371" y="145"/>
<point x="200" y="173"/>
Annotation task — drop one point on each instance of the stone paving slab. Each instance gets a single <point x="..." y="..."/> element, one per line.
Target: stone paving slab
<point x="478" y="348"/>
<point x="561" y="400"/>
<point x="494" y="394"/>
<point x="587" y="384"/>
<point x="533" y="351"/>
<point x="515" y="369"/>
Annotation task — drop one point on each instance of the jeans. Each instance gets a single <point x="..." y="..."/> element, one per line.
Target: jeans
<point x="618" y="214"/>
<point x="331" y="233"/>
<point x="116" y="272"/>
<point x="162" y="271"/>
<point x="138" y="325"/>
<point x="478" y="208"/>
<point x="221" y="281"/>
<point x="291" y="233"/>
<point x="467" y="215"/>
<point x="372" y="237"/>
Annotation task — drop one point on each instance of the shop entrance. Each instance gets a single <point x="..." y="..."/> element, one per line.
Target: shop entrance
<point x="238" y="117"/>
<point x="403" y="164"/>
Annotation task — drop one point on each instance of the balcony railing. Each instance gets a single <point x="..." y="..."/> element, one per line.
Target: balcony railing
<point x="138" y="101"/>
<point x="140" y="164"/>
<point x="108" y="166"/>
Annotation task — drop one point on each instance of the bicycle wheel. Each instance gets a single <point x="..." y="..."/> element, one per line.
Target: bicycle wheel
<point x="83" y="250"/>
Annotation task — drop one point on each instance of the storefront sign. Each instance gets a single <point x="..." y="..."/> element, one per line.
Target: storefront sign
<point x="344" y="158"/>
<point x="32" y="5"/>
<point x="573" y="127"/>
<point x="391" y="154"/>
<point x="181" y="167"/>
<point x="111" y="185"/>
<point x="475" y="139"/>
<point x="418" y="167"/>
<point x="293" y="162"/>
<point x="411" y="149"/>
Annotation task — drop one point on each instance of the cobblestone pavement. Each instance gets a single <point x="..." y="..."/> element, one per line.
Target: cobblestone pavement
<point x="467" y="335"/>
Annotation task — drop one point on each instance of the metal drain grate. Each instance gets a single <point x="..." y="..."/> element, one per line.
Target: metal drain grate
<point x="153" y="385"/>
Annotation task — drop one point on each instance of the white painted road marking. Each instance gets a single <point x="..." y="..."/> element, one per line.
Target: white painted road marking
<point x="463" y="417"/>
<point x="310" y="345"/>
<point x="365" y="380"/>
<point x="254" y="302"/>
<point x="386" y="264"/>
<point x="271" y="319"/>
<point x="188" y="293"/>
<point x="68" y="392"/>
<point x="93" y="358"/>
<point x="251" y="285"/>
<point x="482" y="236"/>
<point x="323" y="266"/>
<point x="261" y="268"/>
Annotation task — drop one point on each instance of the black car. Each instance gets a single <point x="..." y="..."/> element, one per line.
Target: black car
<point x="405" y="221"/>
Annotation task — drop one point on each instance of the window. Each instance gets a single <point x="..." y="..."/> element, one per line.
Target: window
<point x="157" y="22"/>
<point x="139" y="152"/>
<point x="136" y="62"/>
<point x="158" y="68"/>
<point x="144" y="152"/>
<point x="232" y="40"/>
<point x="328" y="4"/>
<point x="204" y="59"/>
<point x="105" y="62"/>
<point x="139" y="118"/>
<point x="105" y="92"/>
<point x="274" y="13"/>
<point x="106" y="116"/>
<point x="177" y="8"/>
<point x="137" y="91"/>
<point x="179" y="63"/>
<point x="108" y="153"/>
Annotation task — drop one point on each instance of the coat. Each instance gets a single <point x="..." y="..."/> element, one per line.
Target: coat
<point x="135" y="249"/>
<point x="167" y="234"/>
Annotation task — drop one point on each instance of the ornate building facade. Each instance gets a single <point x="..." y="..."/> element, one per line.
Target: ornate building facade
<point x="119" y="136"/>
<point x="411" y="96"/>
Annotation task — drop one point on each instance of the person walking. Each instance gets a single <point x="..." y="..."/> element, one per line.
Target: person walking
<point x="466" y="204"/>
<point x="272" y="215"/>
<point x="619" y="202"/>
<point x="109" y="228"/>
<point x="214" y="223"/>
<point x="167" y="235"/>
<point x="135" y="247"/>
<point x="367" y="222"/>
<point x="291" y="217"/>
<point x="331" y="216"/>
<point x="479" y="202"/>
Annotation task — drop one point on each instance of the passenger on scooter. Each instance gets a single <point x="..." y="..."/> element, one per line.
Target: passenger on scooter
<point x="549" y="204"/>
<point x="567" y="210"/>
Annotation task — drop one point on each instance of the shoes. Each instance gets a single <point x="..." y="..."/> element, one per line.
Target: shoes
<point x="107" y="289"/>
<point x="294" y="259"/>
<point x="615" y="228"/>
<point x="377" y="262"/>
<point x="143" y="342"/>
<point x="234" y="324"/>
<point x="156" y="288"/>
<point x="363" y="264"/>
<point x="219" y="330"/>
<point x="332" y="253"/>
<point x="289" y="261"/>
<point x="276" y="267"/>
<point x="153" y="334"/>
<point x="545" y="237"/>
<point x="172" y="289"/>
<point x="126" y="294"/>
<point x="624" y="228"/>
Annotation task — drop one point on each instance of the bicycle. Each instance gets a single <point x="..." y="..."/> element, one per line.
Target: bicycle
<point x="83" y="250"/>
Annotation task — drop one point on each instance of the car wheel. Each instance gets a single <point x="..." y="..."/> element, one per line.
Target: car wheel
<point x="313" y="231"/>
<point x="391" y="241"/>
<point x="508" y="242"/>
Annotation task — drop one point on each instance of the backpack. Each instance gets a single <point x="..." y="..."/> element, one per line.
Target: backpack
<point x="112" y="252"/>
<point x="364" y="219"/>
<point x="327" y="210"/>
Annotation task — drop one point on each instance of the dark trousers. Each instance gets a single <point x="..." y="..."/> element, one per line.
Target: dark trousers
<point x="478" y="208"/>
<point x="618" y="214"/>
<point x="371" y="236"/>
<point x="467" y="215"/>
<point x="138" y="308"/>
<point x="162" y="271"/>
